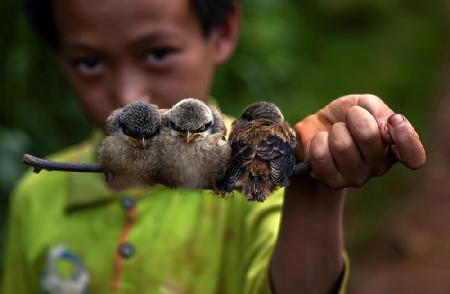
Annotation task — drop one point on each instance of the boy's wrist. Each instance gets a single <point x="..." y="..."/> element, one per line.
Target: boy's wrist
<point x="308" y="189"/>
<point x="310" y="240"/>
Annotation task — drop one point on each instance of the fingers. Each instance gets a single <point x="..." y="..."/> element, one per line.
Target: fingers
<point x="351" y="152"/>
<point x="338" y="109"/>
<point x="364" y="129"/>
<point x="336" y="159"/>
<point x="407" y="146"/>
<point x="349" y="162"/>
<point x="354" y="138"/>
<point x="380" y="111"/>
<point x="305" y="130"/>
<point x="324" y="168"/>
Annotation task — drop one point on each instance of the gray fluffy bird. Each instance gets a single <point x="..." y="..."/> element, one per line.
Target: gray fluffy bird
<point x="193" y="151"/>
<point x="129" y="150"/>
<point x="262" y="155"/>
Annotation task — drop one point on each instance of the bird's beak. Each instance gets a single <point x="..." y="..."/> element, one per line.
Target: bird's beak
<point x="190" y="137"/>
<point x="143" y="142"/>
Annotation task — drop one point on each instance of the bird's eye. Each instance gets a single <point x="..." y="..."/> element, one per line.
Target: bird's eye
<point x="130" y="133"/>
<point x="204" y="128"/>
<point x="173" y="126"/>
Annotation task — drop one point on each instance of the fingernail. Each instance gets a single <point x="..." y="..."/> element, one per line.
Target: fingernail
<point x="396" y="119"/>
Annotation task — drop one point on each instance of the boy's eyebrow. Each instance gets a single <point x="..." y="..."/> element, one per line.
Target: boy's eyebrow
<point x="139" y="40"/>
<point x="78" y="47"/>
<point x="153" y="37"/>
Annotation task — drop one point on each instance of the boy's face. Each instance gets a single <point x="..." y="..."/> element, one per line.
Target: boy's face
<point x="115" y="52"/>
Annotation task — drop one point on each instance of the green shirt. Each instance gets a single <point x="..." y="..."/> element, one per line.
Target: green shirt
<point x="69" y="231"/>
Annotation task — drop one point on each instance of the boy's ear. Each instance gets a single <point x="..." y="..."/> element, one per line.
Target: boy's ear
<point x="225" y="37"/>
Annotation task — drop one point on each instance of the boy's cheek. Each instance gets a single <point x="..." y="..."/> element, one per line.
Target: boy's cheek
<point x="96" y="109"/>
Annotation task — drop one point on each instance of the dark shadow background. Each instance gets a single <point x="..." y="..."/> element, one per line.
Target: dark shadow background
<point x="298" y="54"/>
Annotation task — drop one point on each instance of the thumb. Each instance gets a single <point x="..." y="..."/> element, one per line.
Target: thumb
<point x="305" y="130"/>
<point x="407" y="146"/>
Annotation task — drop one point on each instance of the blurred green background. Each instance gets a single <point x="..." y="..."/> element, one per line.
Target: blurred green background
<point x="298" y="54"/>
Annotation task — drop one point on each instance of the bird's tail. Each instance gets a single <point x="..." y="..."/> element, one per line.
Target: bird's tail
<point x="242" y="155"/>
<point x="254" y="189"/>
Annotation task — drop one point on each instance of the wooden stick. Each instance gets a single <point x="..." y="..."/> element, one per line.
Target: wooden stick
<point x="302" y="168"/>
<point x="39" y="164"/>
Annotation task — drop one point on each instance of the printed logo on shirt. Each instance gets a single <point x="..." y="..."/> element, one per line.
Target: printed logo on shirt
<point x="63" y="272"/>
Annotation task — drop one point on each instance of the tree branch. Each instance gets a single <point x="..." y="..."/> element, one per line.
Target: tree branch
<point x="39" y="164"/>
<point x="302" y="168"/>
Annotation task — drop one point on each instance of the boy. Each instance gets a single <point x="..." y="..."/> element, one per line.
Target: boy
<point x="70" y="233"/>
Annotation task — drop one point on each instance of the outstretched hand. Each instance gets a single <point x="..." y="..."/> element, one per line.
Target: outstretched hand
<point x="354" y="138"/>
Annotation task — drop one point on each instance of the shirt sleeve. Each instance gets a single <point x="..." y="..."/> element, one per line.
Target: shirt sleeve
<point x="261" y="232"/>
<point x="17" y="275"/>
<point x="342" y="285"/>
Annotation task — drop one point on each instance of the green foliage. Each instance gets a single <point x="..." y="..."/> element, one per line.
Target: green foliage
<point x="38" y="114"/>
<point x="298" y="54"/>
<point x="303" y="54"/>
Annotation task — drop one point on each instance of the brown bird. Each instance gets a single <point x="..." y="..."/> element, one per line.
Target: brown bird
<point x="129" y="150"/>
<point x="193" y="150"/>
<point x="262" y="155"/>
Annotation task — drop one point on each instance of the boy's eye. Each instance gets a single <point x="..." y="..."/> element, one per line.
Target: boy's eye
<point x="158" y="55"/>
<point x="89" y="66"/>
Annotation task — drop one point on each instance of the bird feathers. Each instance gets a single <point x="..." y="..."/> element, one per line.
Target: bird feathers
<point x="187" y="147"/>
<point x="129" y="150"/>
<point x="198" y="162"/>
<point x="262" y="152"/>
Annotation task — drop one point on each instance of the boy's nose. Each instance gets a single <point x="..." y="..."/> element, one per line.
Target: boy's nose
<point x="133" y="97"/>
<point x="131" y="89"/>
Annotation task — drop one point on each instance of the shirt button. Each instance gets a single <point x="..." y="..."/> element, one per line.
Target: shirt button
<point x="126" y="250"/>
<point x="127" y="202"/>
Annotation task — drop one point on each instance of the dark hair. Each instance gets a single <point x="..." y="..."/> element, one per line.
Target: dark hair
<point x="211" y="14"/>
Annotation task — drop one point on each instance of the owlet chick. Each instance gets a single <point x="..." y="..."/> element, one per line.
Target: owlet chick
<point x="129" y="150"/>
<point x="193" y="149"/>
<point x="262" y="155"/>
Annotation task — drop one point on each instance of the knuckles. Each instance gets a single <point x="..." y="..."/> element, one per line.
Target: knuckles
<point x="370" y="98"/>
<point x="335" y="184"/>
<point x="319" y="151"/>
<point x="358" y="182"/>
<point x="363" y="125"/>
<point x="360" y="128"/>
<point x="361" y="99"/>
<point x="340" y="139"/>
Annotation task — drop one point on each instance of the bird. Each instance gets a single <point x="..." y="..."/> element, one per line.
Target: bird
<point x="129" y="151"/>
<point x="192" y="146"/>
<point x="262" y="152"/>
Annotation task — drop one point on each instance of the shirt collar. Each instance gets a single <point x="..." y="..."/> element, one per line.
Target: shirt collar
<point x="85" y="189"/>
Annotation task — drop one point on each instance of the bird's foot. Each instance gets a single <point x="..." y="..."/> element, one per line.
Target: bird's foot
<point x="216" y="190"/>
